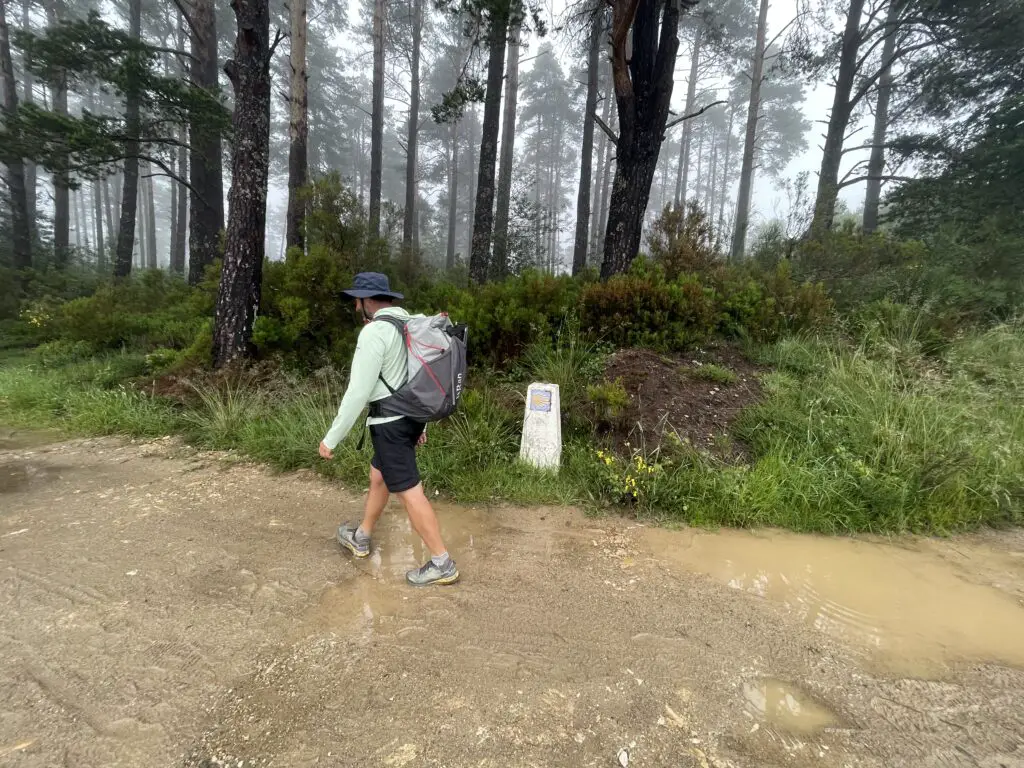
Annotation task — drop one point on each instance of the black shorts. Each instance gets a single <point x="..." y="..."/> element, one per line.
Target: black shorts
<point x="394" y="453"/>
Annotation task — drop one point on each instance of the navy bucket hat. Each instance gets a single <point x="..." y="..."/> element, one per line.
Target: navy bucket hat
<point x="369" y="285"/>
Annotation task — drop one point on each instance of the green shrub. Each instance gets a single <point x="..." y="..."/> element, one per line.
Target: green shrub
<point x="713" y="373"/>
<point x="608" y="402"/>
<point x="57" y="354"/>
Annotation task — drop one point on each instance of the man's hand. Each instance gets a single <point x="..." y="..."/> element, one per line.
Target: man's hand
<point x="423" y="438"/>
<point x="325" y="452"/>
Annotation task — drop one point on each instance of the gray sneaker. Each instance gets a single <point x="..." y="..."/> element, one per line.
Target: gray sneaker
<point x="429" y="574"/>
<point x="347" y="539"/>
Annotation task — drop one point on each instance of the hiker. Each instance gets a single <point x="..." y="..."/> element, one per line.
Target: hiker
<point x="379" y="369"/>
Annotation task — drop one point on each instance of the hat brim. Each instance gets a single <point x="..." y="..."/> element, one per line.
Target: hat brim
<point x="354" y="294"/>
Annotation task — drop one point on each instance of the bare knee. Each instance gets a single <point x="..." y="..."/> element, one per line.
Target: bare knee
<point x="376" y="478"/>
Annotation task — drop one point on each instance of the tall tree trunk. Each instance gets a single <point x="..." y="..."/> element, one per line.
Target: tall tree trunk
<point x="150" y="193"/>
<point x="483" y="213"/>
<point x="101" y="246"/>
<point x="61" y="186"/>
<point x="508" y="138"/>
<point x="739" y="237"/>
<point x="29" y="98"/>
<point x="142" y="259"/>
<point x="709" y="198"/>
<point x="206" y="176"/>
<point x="839" y="119"/>
<point x="298" y="129"/>
<point x="453" y="197"/>
<point x="377" y="119"/>
<point x="683" y="176"/>
<point x="238" y="297"/>
<point x="606" y="176"/>
<point x="108" y="207"/>
<point x="177" y="256"/>
<point x="726" y="170"/>
<point x="130" y="189"/>
<point x="21" y="227"/>
<point x="557" y="198"/>
<point x="579" y="253"/>
<point x="643" y="91"/>
<point x="83" y="219"/>
<point x="474" y="179"/>
<point x="876" y="163"/>
<point x="412" y="134"/>
<point x="602" y="160"/>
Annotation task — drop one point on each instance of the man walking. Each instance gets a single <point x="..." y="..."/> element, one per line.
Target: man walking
<point x="379" y="367"/>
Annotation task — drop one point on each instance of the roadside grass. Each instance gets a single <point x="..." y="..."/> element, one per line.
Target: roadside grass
<point x="882" y="435"/>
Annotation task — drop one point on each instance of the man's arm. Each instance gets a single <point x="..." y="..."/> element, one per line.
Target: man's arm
<point x="366" y="366"/>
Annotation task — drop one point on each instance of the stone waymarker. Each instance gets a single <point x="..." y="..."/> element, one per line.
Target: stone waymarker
<point x="542" y="427"/>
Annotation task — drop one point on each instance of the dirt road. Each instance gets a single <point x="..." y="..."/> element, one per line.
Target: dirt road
<point x="164" y="608"/>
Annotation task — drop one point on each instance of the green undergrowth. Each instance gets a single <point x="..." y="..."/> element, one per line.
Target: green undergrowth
<point x="886" y="435"/>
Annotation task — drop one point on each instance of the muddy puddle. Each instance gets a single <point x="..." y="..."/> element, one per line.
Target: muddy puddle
<point x="19" y="439"/>
<point x="18" y="476"/>
<point x="786" y="707"/>
<point x="907" y="606"/>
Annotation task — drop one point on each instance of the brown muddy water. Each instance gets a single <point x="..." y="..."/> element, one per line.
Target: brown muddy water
<point x="163" y="607"/>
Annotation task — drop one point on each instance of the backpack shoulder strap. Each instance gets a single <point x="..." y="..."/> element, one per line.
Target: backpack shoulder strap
<point x="399" y="325"/>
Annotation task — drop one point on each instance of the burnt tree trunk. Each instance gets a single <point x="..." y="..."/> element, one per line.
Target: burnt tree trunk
<point x="508" y="138"/>
<point x="739" y="237"/>
<point x="579" y="253"/>
<point x="130" y="188"/>
<point x="412" y="135"/>
<point x="206" y="198"/>
<point x="643" y="92"/>
<point x="683" y="173"/>
<point x="876" y="163"/>
<point x="238" y="297"/>
<point x="21" y="227"/>
<point x="453" y="197"/>
<point x="839" y="119"/>
<point x="298" y="128"/>
<point x="483" y="213"/>
<point x="377" y="120"/>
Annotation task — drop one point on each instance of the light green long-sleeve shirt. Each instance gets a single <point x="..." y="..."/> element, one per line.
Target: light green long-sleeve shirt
<point x="380" y="350"/>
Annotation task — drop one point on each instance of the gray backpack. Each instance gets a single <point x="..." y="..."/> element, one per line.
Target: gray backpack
<point x="435" y="351"/>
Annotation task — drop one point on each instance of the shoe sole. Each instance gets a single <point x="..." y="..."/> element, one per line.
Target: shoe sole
<point x="355" y="552"/>
<point x="439" y="582"/>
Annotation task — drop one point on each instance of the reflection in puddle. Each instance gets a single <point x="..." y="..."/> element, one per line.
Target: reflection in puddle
<point x="908" y="605"/>
<point x="786" y="708"/>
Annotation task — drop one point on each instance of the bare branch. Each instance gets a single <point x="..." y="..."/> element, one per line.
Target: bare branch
<point x="604" y="127"/>
<point x="186" y="15"/>
<point x="278" y="37"/>
<point x="860" y="179"/>
<point x="692" y="115"/>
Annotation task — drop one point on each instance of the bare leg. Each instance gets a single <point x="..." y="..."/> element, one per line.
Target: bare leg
<point x="423" y="520"/>
<point x="376" y="500"/>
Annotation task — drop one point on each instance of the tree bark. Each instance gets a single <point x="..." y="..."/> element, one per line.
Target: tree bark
<point x="691" y="99"/>
<point x="150" y="193"/>
<point x="29" y="98"/>
<point x="643" y="92"/>
<point x="298" y="129"/>
<point x="21" y="227"/>
<point x="61" y="187"/>
<point x="606" y="175"/>
<point x="876" y="163"/>
<point x="377" y="120"/>
<point x="83" y="219"/>
<point x="142" y="260"/>
<point x="412" y="134"/>
<point x="579" y="254"/>
<point x="739" y="237"/>
<point x="206" y="198"/>
<point x="453" y="197"/>
<point x="108" y="207"/>
<point x="839" y="119"/>
<point x="177" y="257"/>
<point x="508" y="138"/>
<point x="130" y="188"/>
<point x="483" y="214"/>
<point x="726" y="169"/>
<point x="238" y="297"/>
<point x="97" y="205"/>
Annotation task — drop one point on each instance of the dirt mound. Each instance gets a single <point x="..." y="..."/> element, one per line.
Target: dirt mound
<point x="697" y="396"/>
